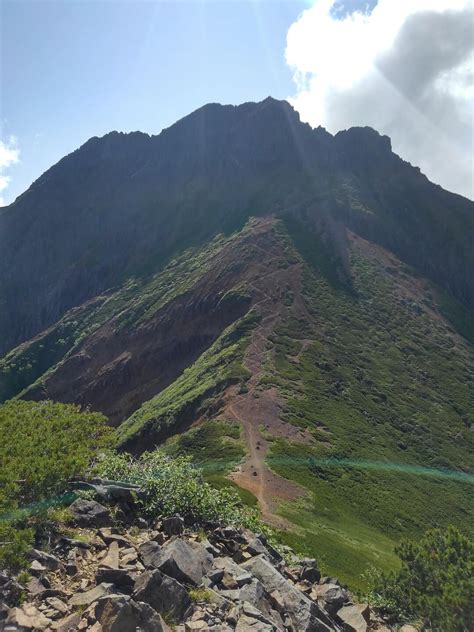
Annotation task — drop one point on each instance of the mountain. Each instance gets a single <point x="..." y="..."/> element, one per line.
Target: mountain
<point x="292" y="309"/>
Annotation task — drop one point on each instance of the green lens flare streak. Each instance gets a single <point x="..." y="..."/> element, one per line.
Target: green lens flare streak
<point x="399" y="468"/>
<point x="38" y="507"/>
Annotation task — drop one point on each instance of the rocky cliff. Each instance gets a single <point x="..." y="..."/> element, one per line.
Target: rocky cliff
<point x="123" y="204"/>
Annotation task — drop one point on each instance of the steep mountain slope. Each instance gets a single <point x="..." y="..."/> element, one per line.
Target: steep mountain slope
<point x="125" y="203"/>
<point x="268" y="298"/>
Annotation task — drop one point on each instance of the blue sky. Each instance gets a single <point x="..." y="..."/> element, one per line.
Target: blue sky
<point x="72" y="69"/>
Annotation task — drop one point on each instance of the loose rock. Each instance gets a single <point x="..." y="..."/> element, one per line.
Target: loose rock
<point x="89" y="513"/>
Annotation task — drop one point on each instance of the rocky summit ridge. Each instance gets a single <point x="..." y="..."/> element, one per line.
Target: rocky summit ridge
<point x="124" y="204"/>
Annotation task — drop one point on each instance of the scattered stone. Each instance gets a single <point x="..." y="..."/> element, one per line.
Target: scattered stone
<point x="149" y="553"/>
<point x="43" y="560"/>
<point x="256" y="547"/>
<point x="119" y="577"/>
<point x="28" y="617"/>
<point x="103" y="586"/>
<point x="228" y="582"/>
<point x="352" y="619"/>
<point x="120" y="613"/>
<point x="89" y="596"/>
<point x="185" y="561"/>
<point x="36" y="568"/>
<point x="109" y="537"/>
<point x="215" y="575"/>
<point x="36" y="586"/>
<point x="333" y="597"/>
<point x="127" y="560"/>
<point x="190" y="626"/>
<point x="111" y="560"/>
<point x="247" y="624"/>
<point x="310" y="571"/>
<point x="174" y="525"/>
<point x="162" y="593"/>
<point x="57" y="604"/>
<point x="89" y="513"/>
<point x="243" y="578"/>
<point x="68" y="624"/>
<point x="305" y="615"/>
<point x="364" y="610"/>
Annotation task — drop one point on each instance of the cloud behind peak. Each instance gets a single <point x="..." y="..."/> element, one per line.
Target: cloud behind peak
<point x="405" y="68"/>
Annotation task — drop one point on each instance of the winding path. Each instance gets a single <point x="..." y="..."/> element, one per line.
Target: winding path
<point x="253" y="409"/>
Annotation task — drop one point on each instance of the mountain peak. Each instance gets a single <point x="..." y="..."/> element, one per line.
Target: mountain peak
<point x="130" y="199"/>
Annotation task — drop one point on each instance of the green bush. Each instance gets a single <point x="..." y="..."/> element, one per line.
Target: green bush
<point x="14" y="542"/>
<point x="435" y="583"/>
<point x="175" y="485"/>
<point x="42" y="445"/>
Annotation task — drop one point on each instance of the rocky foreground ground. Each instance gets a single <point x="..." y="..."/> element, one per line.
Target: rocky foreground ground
<point x="164" y="577"/>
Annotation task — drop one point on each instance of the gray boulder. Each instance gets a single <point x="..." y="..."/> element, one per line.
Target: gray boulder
<point x="305" y="615"/>
<point x="174" y="525"/>
<point x="352" y="619"/>
<point x="164" y="594"/>
<point x="149" y="553"/>
<point x="89" y="596"/>
<point x="68" y="624"/>
<point x="89" y="513"/>
<point x="120" y="613"/>
<point x="28" y="617"/>
<point x="249" y="624"/>
<point x="36" y="587"/>
<point x="333" y="597"/>
<point x="185" y="561"/>
<point x="310" y="571"/>
<point x="119" y="577"/>
<point x="253" y="620"/>
<point x="260" y="546"/>
<point x="46" y="560"/>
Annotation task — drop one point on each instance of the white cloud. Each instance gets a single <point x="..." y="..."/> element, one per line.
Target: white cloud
<point x="9" y="155"/>
<point x="405" y="68"/>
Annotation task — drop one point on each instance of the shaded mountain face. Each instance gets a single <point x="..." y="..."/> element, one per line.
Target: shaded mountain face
<point x="291" y="309"/>
<point x="124" y="204"/>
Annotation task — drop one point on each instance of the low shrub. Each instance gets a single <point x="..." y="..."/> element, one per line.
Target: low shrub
<point x="42" y="445"/>
<point x="175" y="485"/>
<point x="435" y="584"/>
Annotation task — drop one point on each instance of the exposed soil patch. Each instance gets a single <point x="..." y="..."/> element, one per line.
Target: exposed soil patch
<point x="260" y="409"/>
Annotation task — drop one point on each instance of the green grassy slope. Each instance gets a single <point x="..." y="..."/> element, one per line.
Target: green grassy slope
<point x="383" y="387"/>
<point x="198" y="387"/>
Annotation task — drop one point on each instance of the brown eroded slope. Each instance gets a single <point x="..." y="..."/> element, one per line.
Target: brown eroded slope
<point x="258" y="409"/>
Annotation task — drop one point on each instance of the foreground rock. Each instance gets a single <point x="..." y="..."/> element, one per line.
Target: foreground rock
<point x="185" y="561"/>
<point x="119" y="613"/>
<point x="89" y="513"/>
<point x="124" y="579"/>
<point x="163" y="593"/>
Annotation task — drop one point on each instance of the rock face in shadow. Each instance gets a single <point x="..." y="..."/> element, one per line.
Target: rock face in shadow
<point x="121" y="205"/>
